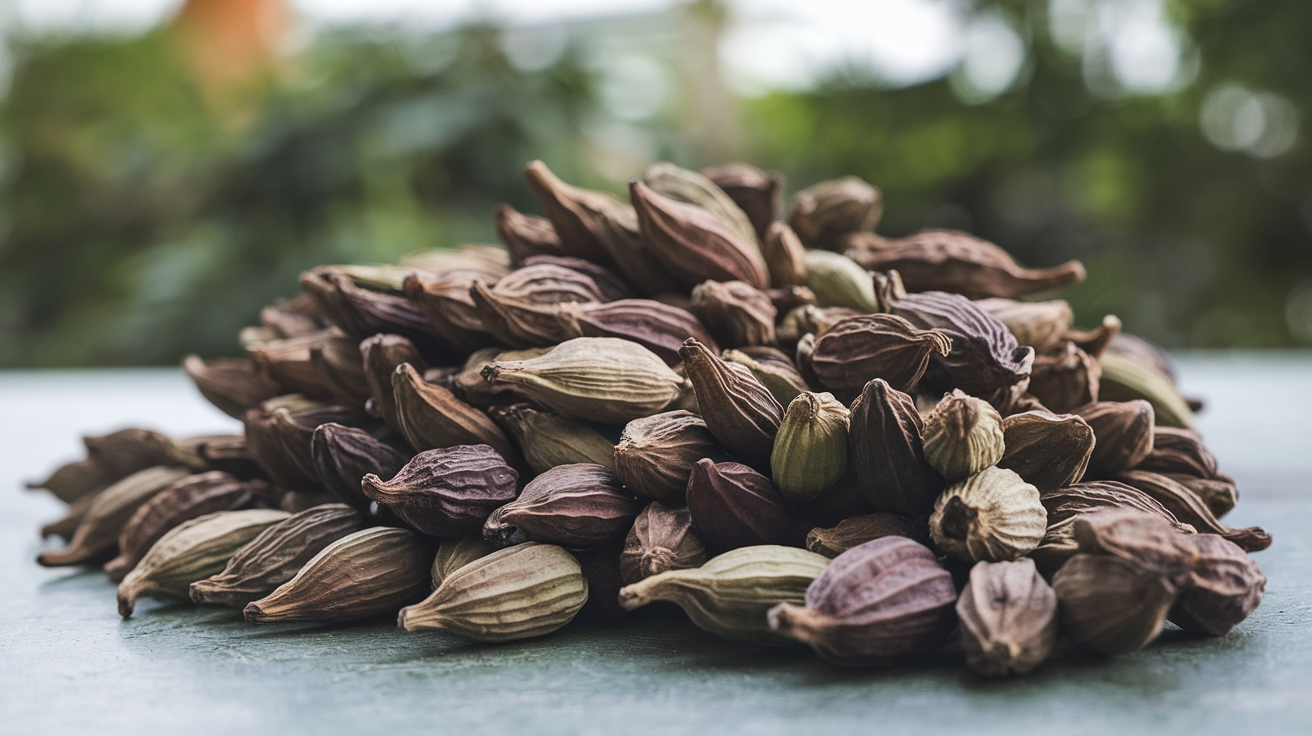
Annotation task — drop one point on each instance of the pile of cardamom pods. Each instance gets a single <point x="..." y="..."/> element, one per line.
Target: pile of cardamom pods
<point x="794" y="430"/>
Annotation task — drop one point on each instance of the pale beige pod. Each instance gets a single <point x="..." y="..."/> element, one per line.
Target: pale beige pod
<point x="989" y="517"/>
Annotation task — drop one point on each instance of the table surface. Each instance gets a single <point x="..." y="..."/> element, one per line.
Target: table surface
<point x="69" y="665"/>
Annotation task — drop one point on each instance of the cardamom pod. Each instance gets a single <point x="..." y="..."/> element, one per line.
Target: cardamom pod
<point x="526" y="235"/>
<point x="824" y="212"/>
<point x="787" y="298"/>
<point x="737" y="408"/>
<point x="661" y="539"/>
<point x="293" y="317"/>
<point x="661" y="328"/>
<point x="775" y="370"/>
<point x="1148" y="540"/>
<point x="656" y="454"/>
<point x="887" y="453"/>
<point x="232" y="384"/>
<point x="695" y="245"/>
<point x="342" y="366"/>
<point x="962" y="436"/>
<point x="730" y="595"/>
<point x="785" y="256"/>
<point x="858" y="349"/>
<point x="1066" y="379"/>
<point x="444" y="300"/>
<point x="226" y="452"/>
<point x="575" y="506"/>
<point x="810" y="319"/>
<point x="1047" y="450"/>
<point x="276" y="555"/>
<point x="1067" y="505"/>
<point x="1040" y="325"/>
<point x="602" y="379"/>
<point x="383" y="355"/>
<point x="1225" y="586"/>
<point x="492" y="260"/>
<point x="549" y="440"/>
<point x="469" y="386"/>
<point x="1126" y="378"/>
<point x="1124" y="432"/>
<point x="521" y="309"/>
<point x="875" y="604"/>
<point x="838" y="281"/>
<point x="186" y="499"/>
<point x="343" y="455"/>
<point x="601" y="568"/>
<point x="366" y="574"/>
<point x="992" y="516"/>
<point x="755" y="192"/>
<point x="738" y="314"/>
<point x="1110" y="605"/>
<point x="1179" y="452"/>
<point x="691" y="187"/>
<point x="289" y="362"/>
<point x="734" y="506"/>
<point x="455" y="552"/>
<point x="266" y="445"/>
<point x="1008" y="615"/>
<point x="1218" y="494"/>
<point x="361" y="312"/>
<point x="857" y="530"/>
<point x="810" y="450"/>
<point x="515" y="593"/>
<point x="67" y="525"/>
<point x="290" y="437"/>
<point x="609" y="284"/>
<point x="431" y="417"/>
<point x="1190" y="509"/>
<point x="97" y="534"/>
<point x="191" y="551"/>
<point x="447" y="492"/>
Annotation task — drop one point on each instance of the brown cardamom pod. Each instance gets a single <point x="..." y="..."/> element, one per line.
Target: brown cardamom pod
<point x="656" y="454"/>
<point x="812" y="320"/>
<point x="661" y="539"/>
<point x="785" y="256"/>
<point x="873" y="605"/>
<point x="1067" y="505"/>
<point x="97" y="534"/>
<point x="492" y="260"/>
<point x="443" y="298"/>
<point x="521" y="309"/>
<point x="290" y="362"/>
<point x="691" y="187"/>
<point x="548" y="440"/>
<point x="361" y="312"/>
<point x="1145" y="539"/>
<point x="67" y="525"/>
<point x="1124" y="432"/>
<point x="232" y="384"/>
<point x="859" y="349"/>
<point x="738" y="314"/>
<point x="266" y="442"/>
<point x="382" y="355"/>
<point x="734" y="506"/>
<point x="431" y="417"/>
<point x="757" y="193"/>
<point x="1219" y="494"/>
<point x="1040" y="325"/>
<point x="694" y="245"/>
<point x="448" y="492"/>
<point x="609" y="284"/>
<point x="738" y="409"/>
<point x="1047" y="450"/>
<point x="1065" y="380"/>
<point x="772" y="368"/>
<point x="887" y="453"/>
<point x="344" y="455"/>
<point x="857" y="530"/>
<point x="1190" y="509"/>
<point x="342" y="365"/>
<point x="985" y="360"/>
<point x="661" y="328"/>
<point x="526" y="235"/>
<point x="469" y="385"/>
<point x="1179" y="452"/>
<point x="1225" y="586"/>
<point x="111" y="458"/>
<point x="575" y="506"/>
<point x="787" y="298"/>
<point x="1096" y="341"/>
<point x="1008" y="615"/>
<point x="366" y="574"/>
<point x="957" y="262"/>
<point x="1110" y="605"/>
<point x="991" y="516"/>
<point x="822" y="213"/>
<point x="293" y="317"/>
<point x="293" y="429"/>
<point x="275" y="556"/>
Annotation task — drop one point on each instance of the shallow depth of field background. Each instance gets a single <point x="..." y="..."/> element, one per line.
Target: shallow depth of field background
<point x="167" y="167"/>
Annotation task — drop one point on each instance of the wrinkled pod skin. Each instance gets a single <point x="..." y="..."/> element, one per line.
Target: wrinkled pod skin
<point x="1008" y="616"/>
<point x="448" y="492"/>
<point x="575" y="506"/>
<point x="661" y="539"/>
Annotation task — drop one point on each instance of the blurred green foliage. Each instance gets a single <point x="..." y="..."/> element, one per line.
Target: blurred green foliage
<point x="137" y="224"/>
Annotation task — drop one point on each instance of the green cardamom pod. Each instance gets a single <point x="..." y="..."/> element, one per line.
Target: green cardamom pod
<point x="963" y="436"/>
<point x="1125" y="378"/>
<point x="838" y="281"/>
<point x="810" y="450"/>
<point x="991" y="516"/>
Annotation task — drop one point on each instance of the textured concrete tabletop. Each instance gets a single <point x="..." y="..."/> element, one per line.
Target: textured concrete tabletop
<point x="69" y="665"/>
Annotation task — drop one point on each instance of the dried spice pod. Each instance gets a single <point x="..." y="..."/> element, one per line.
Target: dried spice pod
<point x="447" y="492"/>
<point x="661" y="539"/>
<point x="837" y="281"/>
<point x="489" y="259"/>
<point x="65" y="526"/>
<point x="268" y="448"/>
<point x="232" y="384"/>
<point x="382" y="355"/>
<point x="1145" y="539"/>
<point x="601" y="568"/>
<point x="443" y="298"/>
<point x="454" y="553"/>
<point x="1110" y="605"/>
<point x="362" y="312"/>
<point x="787" y="298"/>
<point x="858" y="349"/>
<point x="290" y="362"/>
<point x="431" y="417"/>
<point x="1218" y="494"/>
<point x="276" y="555"/>
<point x="1040" y="325"/>
<point x="112" y="457"/>
<point x="526" y="235"/>
<point x="730" y="595"/>
<point x="609" y="284"/>
<point x="950" y="260"/>
<point x="293" y="317"/>
<point x="1124" y="431"/>
<point x="342" y="366"/>
<point x="734" y="506"/>
<point x="1224" y="587"/>
<point x="97" y="534"/>
<point x="1066" y="379"/>
<point x="1190" y="509"/>
<point x="516" y="593"/>
<point x="756" y="192"/>
<point x="824" y="212"/>
<point x="775" y="370"/>
<point x="469" y="386"/>
<point x="1008" y="616"/>
<point x="656" y="454"/>
<point x="74" y="481"/>
<point x="343" y="455"/>
<point x="810" y="319"/>
<point x="548" y="440"/>
<point x="785" y="256"/>
<point x="693" y="244"/>
<point x="521" y="309"/>
<point x="1096" y="341"/>
<point x="810" y="450"/>
<point x="874" y="604"/>
<point x="992" y="516"/>
<point x="578" y="215"/>
<point x="738" y="409"/>
<point x="575" y="506"/>
<point x="186" y="499"/>
<point x="293" y="431"/>
<point x="194" y="550"/>
<point x="1066" y="505"/>
<point x="737" y="313"/>
<point x="962" y="436"/>
<point x="661" y="328"/>
<point x="857" y="530"/>
<point x="366" y="574"/>
<point x="1049" y="451"/>
<point x="886" y="452"/>
<point x="691" y="187"/>
<point x="602" y="379"/>
<point x="985" y="360"/>
<point x="226" y="452"/>
<point x="1179" y="452"/>
<point x="1127" y="378"/>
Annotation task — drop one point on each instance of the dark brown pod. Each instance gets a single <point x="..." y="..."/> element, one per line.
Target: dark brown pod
<point x="1145" y="539"/>
<point x="1008" y="616"/>
<point x="575" y="506"/>
<point x="661" y="539"/>
<point x="823" y="213"/>
<point x="344" y="455"/>
<point x="526" y="235"/>
<point x="756" y="192"/>
<point x="775" y="370"/>
<point x="520" y="311"/>
<point x="875" y="604"/>
<point x="1225" y="586"/>
<point x="1179" y="452"/>
<point x="1219" y="494"/>
<point x="293" y="317"/>
<point x="734" y="506"/>
<point x="1066" y="505"/>
<point x="694" y="245"/>
<point x="73" y="481"/>
<point x="738" y="409"/>
<point x="858" y="530"/>
<point x="1047" y="450"/>
<point x="957" y="262"/>
<point x="111" y="458"/>
<point x="444" y="300"/>
<point x="609" y="284"/>
<point x="265" y="442"/>
<point x="601" y="568"/>
<point x="186" y="499"/>
<point x="382" y="355"/>
<point x="860" y="349"/>
<point x="1066" y="379"/>
<point x="232" y="384"/>
<point x="1096" y="341"/>
<point x="342" y="366"/>
<point x="656" y="454"/>
<point x="66" y="525"/>
<point x="985" y="361"/>
<point x="1110" y="605"/>
<point x="787" y="298"/>
<point x="738" y="314"/>
<point x="294" y="431"/>
<point x="1124" y="431"/>
<point x="361" y="312"/>
<point x="96" y="536"/>
<point x="290" y="362"/>
<point x="885" y="450"/>
<point x="1190" y="509"/>
<point x="431" y="417"/>
<point x="785" y="256"/>
<point x="659" y="327"/>
<point x="448" y="492"/>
